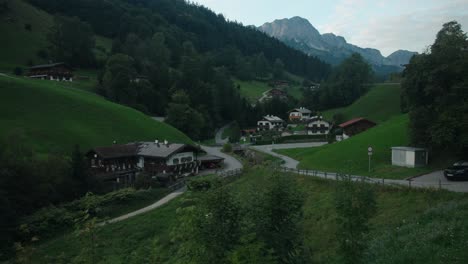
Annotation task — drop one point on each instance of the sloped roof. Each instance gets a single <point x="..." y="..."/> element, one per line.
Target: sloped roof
<point x="302" y="110"/>
<point x="272" y="118"/>
<point x="51" y="65"/>
<point x="160" y="150"/>
<point x="354" y="121"/>
<point x="146" y="149"/>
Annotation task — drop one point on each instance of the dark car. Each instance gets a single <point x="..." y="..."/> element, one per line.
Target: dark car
<point x="459" y="171"/>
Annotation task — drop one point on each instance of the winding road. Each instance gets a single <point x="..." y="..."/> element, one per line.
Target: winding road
<point x="219" y="135"/>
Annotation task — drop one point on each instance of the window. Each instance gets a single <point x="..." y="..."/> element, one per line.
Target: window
<point x="175" y="161"/>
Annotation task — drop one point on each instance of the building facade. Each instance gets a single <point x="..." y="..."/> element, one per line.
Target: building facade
<point x="299" y="114"/>
<point x="317" y="126"/>
<point x="270" y="122"/>
<point x="53" y="72"/>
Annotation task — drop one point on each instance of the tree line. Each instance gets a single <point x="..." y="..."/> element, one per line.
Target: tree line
<point x="435" y="93"/>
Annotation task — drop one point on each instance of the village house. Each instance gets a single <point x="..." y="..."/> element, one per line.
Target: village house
<point x="163" y="160"/>
<point x="354" y="127"/>
<point x="299" y="114"/>
<point x="54" y="72"/>
<point x="270" y="122"/>
<point x="317" y="126"/>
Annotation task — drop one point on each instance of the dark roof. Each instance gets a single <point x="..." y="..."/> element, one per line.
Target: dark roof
<point x="146" y="149"/>
<point x="48" y="65"/>
<point x="161" y="150"/>
<point x="117" y="151"/>
<point x="354" y="121"/>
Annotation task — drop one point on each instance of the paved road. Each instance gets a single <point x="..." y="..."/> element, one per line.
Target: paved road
<point x="434" y="180"/>
<point x="230" y="163"/>
<point x="219" y="135"/>
<point x="438" y="177"/>
<point x="289" y="163"/>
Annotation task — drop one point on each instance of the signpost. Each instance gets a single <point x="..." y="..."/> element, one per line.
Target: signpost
<point x="369" y="152"/>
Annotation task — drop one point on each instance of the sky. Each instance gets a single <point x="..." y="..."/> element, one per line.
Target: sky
<point x="387" y="25"/>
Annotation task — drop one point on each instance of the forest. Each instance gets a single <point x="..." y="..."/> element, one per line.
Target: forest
<point x="162" y="48"/>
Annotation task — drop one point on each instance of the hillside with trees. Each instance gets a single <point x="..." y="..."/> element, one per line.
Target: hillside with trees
<point x="435" y="93"/>
<point x="163" y="47"/>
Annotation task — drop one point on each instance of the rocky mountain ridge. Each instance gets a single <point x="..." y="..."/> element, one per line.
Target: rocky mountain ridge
<point x="299" y="33"/>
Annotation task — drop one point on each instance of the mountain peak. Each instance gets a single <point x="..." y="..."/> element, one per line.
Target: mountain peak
<point x="299" y="33"/>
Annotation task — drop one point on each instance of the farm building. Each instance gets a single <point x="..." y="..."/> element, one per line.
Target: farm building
<point x="356" y="126"/>
<point x="270" y="122"/>
<point x="54" y="72"/>
<point x="122" y="163"/>
<point x="299" y="114"/>
<point x="409" y="157"/>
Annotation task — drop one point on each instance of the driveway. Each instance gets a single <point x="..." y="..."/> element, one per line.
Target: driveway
<point x="436" y="178"/>
<point x="289" y="163"/>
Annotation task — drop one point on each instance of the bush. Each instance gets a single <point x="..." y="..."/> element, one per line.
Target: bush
<point x="28" y="27"/>
<point x="202" y="184"/>
<point x="18" y="71"/>
<point x="227" y="148"/>
<point x="52" y="219"/>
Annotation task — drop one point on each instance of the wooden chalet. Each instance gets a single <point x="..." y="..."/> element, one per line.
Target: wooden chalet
<point x="356" y="126"/>
<point x="123" y="163"/>
<point x="54" y="72"/>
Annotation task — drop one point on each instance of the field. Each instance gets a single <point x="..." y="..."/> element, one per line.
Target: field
<point x="54" y="117"/>
<point x="350" y="156"/>
<point x="131" y="241"/>
<point x="253" y="90"/>
<point x="379" y="104"/>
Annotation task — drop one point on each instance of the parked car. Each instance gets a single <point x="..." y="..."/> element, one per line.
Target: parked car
<point x="459" y="170"/>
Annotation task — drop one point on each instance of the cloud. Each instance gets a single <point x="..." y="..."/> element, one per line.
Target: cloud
<point x="393" y="25"/>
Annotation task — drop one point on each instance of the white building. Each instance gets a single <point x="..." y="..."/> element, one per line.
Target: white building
<point x="270" y="122"/>
<point x="409" y="157"/>
<point x="318" y="126"/>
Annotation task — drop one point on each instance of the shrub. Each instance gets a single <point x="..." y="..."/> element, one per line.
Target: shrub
<point x="18" y="71"/>
<point x="201" y="184"/>
<point x="227" y="148"/>
<point x="28" y="27"/>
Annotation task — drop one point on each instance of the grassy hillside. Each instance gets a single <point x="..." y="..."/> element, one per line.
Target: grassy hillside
<point x="18" y="45"/>
<point x="253" y="90"/>
<point x="379" y="104"/>
<point x="55" y="116"/>
<point x="350" y="156"/>
<point x="131" y="241"/>
<point x="21" y="46"/>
